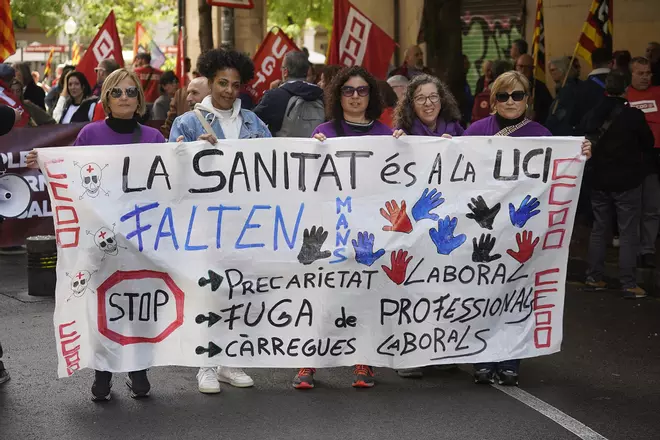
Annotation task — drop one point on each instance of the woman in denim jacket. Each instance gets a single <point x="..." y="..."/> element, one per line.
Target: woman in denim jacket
<point x="219" y="115"/>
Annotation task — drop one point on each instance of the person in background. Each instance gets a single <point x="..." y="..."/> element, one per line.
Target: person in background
<point x="592" y="90"/>
<point x="562" y="108"/>
<point x="38" y="116"/>
<point x="399" y="84"/>
<point x="149" y="77"/>
<point x="621" y="62"/>
<point x="468" y="98"/>
<point x="653" y="55"/>
<point x="45" y="87"/>
<point x="185" y="100"/>
<point x="646" y="97"/>
<point x="327" y="74"/>
<point x="390" y="100"/>
<point x="186" y="72"/>
<point x="54" y="95"/>
<point x="486" y="79"/>
<point x="105" y="68"/>
<point x="124" y="101"/>
<point x="509" y="97"/>
<point x="31" y="91"/>
<point x="622" y="141"/>
<point x="413" y="64"/>
<point x="169" y="84"/>
<point x="518" y="48"/>
<point x="354" y="104"/>
<point x="8" y="98"/>
<point x="541" y="98"/>
<point x="76" y="103"/>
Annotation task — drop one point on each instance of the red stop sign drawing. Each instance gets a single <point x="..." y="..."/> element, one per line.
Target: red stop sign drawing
<point x="162" y="298"/>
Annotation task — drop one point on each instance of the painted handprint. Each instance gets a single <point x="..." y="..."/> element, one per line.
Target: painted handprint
<point x="481" y="213"/>
<point x="443" y="237"/>
<point x="526" y="211"/>
<point x="427" y="203"/>
<point x="482" y="250"/>
<point x="525" y="247"/>
<point x="399" y="264"/>
<point x="311" y="248"/>
<point x="364" y="249"/>
<point x="397" y="216"/>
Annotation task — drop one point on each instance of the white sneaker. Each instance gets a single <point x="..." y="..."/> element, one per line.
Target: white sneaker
<point x="616" y="242"/>
<point x="207" y="382"/>
<point x="235" y="377"/>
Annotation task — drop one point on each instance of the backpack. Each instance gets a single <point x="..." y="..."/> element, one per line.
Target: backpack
<point x="481" y="107"/>
<point x="301" y="117"/>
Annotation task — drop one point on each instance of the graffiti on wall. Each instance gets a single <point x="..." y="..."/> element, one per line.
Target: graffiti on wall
<point x="487" y="38"/>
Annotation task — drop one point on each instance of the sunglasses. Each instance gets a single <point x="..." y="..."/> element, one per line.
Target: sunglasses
<point x="516" y="96"/>
<point x="349" y="91"/>
<point x="131" y="92"/>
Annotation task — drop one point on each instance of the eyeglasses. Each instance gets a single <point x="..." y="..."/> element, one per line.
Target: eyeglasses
<point x="97" y="69"/>
<point x="349" y="91"/>
<point x="421" y="99"/>
<point x="516" y="96"/>
<point x="131" y="92"/>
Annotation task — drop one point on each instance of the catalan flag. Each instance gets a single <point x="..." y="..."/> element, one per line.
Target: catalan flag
<point x="49" y="61"/>
<point x="75" y="54"/>
<point x="7" y="40"/>
<point x="538" y="46"/>
<point x="144" y="43"/>
<point x="597" y="30"/>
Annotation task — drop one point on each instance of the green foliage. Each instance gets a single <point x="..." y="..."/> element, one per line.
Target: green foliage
<point x="292" y="15"/>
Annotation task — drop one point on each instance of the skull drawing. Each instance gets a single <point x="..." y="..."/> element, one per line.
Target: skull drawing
<point x="80" y="283"/>
<point x="91" y="175"/>
<point x="106" y="240"/>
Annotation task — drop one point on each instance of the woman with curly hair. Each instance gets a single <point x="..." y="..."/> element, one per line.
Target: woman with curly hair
<point x="220" y="116"/>
<point x="428" y="109"/>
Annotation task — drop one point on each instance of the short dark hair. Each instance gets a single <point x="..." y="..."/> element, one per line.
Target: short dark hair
<point x="215" y="60"/>
<point x="297" y="63"/>
<point x="65" y="71"/>
<point x="334" y="110"/>
<point x="109" y="64"/>
<point x="601" y="57"/>
<point x="387" y="93"/>
<point x="24" y="68"/>
<point x="523" y="47"/>
<point x="622" y="58"/>
<point x="615" y="83"/>
<point x="144" y="57"/>
<point x="168" y="77"/>
<point x="500" y="67"/>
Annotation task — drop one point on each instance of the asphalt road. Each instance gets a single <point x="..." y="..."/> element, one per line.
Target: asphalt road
<point x="606" y="382"/>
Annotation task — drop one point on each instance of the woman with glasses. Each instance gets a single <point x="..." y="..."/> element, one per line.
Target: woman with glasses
<point x="123" y="100"/>
<point x="508" y="99"/>
<point x="428" y="109"/>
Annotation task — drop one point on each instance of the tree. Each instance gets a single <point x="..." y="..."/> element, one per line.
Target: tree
<point x="292" y="15"/>
<point x="205" y="26"/>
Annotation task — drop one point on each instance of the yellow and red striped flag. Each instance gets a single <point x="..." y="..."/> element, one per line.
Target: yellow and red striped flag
<point x="7" y="40"/>
<point x="75" y="54"/>
<point x="49" y="61"/>
<point x="538" y="46"/>
<point x="597" y="30"/>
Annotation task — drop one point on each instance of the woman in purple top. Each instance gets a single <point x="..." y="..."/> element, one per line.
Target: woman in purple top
<point x="353" y="103"/>
<point x="428" y="109"/>
<point x="123" y="100"/>
<point x="508" y="100"/>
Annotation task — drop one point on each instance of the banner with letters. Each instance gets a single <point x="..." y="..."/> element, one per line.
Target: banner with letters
<point x="290" y="252"/>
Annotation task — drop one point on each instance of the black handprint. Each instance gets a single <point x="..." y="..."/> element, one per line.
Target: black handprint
<point x="481" y="253"/>
<point x="311" y="248"/>
<point x="481" y="213"/>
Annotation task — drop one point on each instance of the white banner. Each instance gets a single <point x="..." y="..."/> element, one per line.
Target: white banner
<point x="291" y="253"/>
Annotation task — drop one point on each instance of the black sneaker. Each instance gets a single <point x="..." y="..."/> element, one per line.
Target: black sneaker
<point x="304" y="380"/>
<point x="484" y="376"/>
<point x="410" y="373"/>
<point x="364" y="377"/>
<point x="138" y="383"/>
<point x="4" y="376"/>
<point x="507" y="378"/>
<point x="101" y="386"/>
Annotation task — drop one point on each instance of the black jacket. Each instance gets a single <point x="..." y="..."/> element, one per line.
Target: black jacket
<point x="272" y="107"/>
<point x="621" y="154"/>
<point x="82" y="114"/>
<point x="589" y="94"/>
<point x="35" y="95"/>
<point x="542" y="102"/>
<point x="7" y="119"/>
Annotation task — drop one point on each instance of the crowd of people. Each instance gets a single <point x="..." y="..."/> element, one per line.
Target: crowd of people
<point x="614" y="109"/>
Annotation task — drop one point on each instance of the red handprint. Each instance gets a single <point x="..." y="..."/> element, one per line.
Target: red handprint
<point x="399" y="264"/>
<point x="397" y="216"/>
<point x="525" y="246"/>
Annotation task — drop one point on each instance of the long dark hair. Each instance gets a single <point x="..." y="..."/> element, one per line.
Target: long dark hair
<point x="65" y="71"/>
<point x="334" y="110"/>
<point x="87" y="89"/>
<point x="25" y="73"/>
<point x="404" y="114"/>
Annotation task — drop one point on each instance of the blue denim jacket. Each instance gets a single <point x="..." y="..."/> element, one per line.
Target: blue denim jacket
<point x="188" y="126"/>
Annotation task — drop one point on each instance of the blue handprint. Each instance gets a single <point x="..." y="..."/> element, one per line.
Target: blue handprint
<point x="364" y="249"/>
<point x="427" y="203"/>
<point x="526" y="211"/>
<point x="444" y="238"/>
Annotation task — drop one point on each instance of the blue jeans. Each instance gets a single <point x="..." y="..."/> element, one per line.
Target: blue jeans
<point x="512" y="364"/>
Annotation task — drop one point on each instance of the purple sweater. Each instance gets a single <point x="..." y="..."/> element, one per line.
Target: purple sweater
<point x="489" y="127"/>
<point x="452" y="128"/>
<point x="328" y="129"/>
<point x="98" y="133"/>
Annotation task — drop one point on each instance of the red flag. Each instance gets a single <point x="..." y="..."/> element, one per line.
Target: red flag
<point x="268" y="62"/>
<point x="106" y="44"/>
<point x="180" y="60"/>
<point x="7" y="39"/>
<point x="356" y="40"/>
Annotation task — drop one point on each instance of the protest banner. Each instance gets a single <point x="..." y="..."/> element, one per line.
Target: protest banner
<point x="291" y="252"/>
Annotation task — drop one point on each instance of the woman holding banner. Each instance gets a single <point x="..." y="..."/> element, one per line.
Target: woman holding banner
<point x="123" y="101"/>
<point x="220" y="116"/>
<point x="508" y="99"/>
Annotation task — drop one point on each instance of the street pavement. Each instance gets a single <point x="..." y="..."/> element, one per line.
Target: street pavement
<point x="604" y="384"/>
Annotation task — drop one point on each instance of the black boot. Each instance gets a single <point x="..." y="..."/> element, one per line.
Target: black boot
<point x="138" y="383"/>
<point x="508" y="378"/>
<point x="101" y="386"/>
<point x="484" y="376"/>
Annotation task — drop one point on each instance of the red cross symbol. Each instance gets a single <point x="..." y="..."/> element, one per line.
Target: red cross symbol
<point x="102" y="235"/>
<point x="80" y="276"/>
<point x="90" y="169"/>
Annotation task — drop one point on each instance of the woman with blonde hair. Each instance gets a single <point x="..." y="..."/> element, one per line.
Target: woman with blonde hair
<point x="123" y="100"/>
